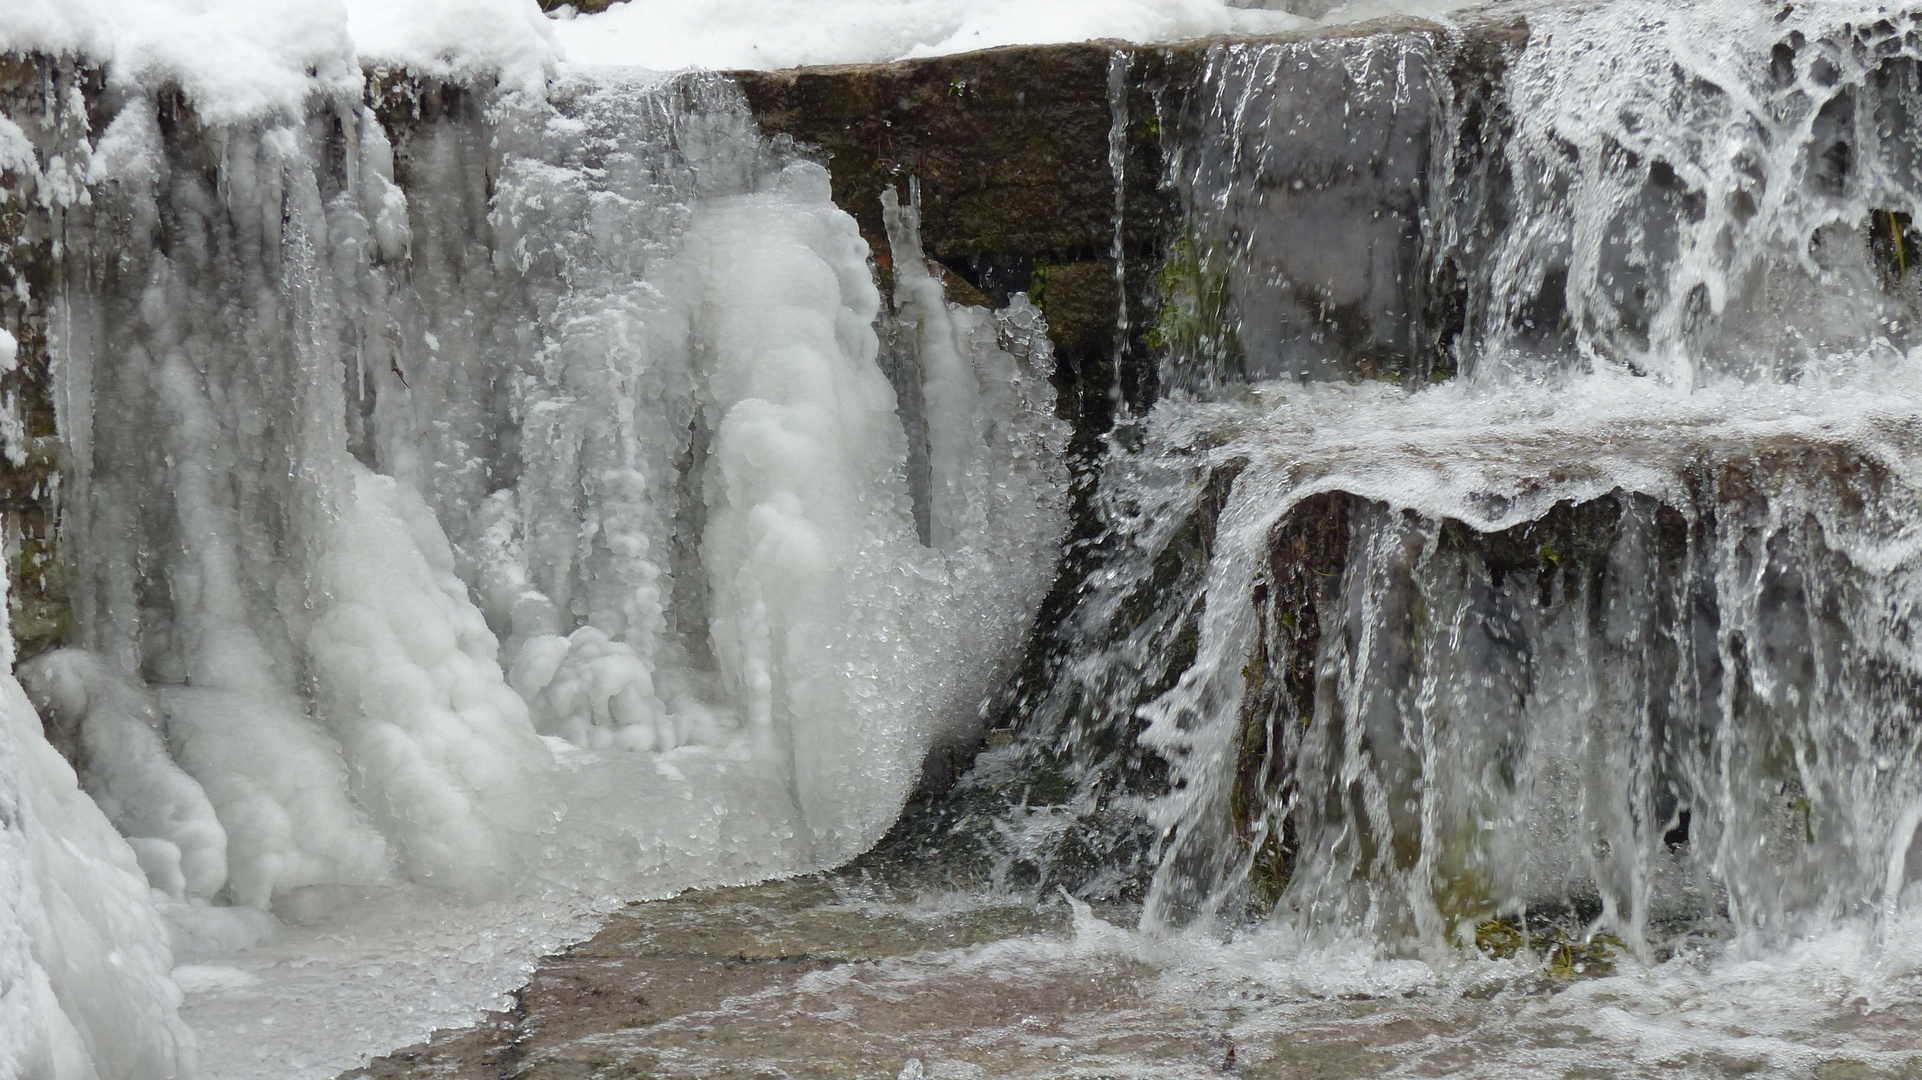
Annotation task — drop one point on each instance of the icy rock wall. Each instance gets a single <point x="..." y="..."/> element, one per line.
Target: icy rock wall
<point x="38" y="599"/>
<point x="601" y="458"/>
<point x="1539" y="189"/>
<point x="483" y="491"/>
<point x="1669" y="681"/>
<point x="1304" y="184"/>
<point x="1699" y="212"/>
<point x="85" y="953"/>
<point x="1651" y="666"/>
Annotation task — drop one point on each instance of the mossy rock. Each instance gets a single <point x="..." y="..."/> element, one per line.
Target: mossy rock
<point x="1563" y="956"/>
<point x="38" y="93"/>
<point x="1500" y="939"/>
<point x="1081" y="301"/>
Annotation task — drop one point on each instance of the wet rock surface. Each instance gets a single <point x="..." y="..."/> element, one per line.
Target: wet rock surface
<point x="1629" y="578"/>
<point x="39" y="94"/>
<point x="1059" y="170"/>
<point x="803" y="978"/>
<point x="846" y="976"/>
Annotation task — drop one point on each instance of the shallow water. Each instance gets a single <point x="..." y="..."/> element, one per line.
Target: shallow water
<point x="862" y="973"/>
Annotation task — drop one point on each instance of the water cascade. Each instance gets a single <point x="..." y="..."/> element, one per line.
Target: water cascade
<point x="1528" y="528"/>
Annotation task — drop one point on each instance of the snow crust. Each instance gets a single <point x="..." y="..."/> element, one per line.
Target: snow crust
<point x="767" y="34"/>
<point x="319" y="995"/>
<point x="234" y="58"/>
<point x="240" y="58"/>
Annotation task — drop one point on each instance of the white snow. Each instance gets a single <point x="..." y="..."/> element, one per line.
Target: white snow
<point x="236" y="58"/>
<point x="723" y="34"/>
<point x="765" y="34"/>
<point x="239" y="58"/>
<point x="463" y="40"/>
<point x="233" y="58"/>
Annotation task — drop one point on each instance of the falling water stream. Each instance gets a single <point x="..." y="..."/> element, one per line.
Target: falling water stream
<point x="1514" y="590"/>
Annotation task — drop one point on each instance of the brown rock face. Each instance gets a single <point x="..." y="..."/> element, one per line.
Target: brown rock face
<point x="38" y="94"/>
<point x="1014" y="153"/>
<point x="1060" y="170"/>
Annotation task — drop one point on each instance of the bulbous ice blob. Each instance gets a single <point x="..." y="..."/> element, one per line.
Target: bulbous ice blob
<point x="277" y="779"/>
<point x="82" y="951"/>
<point x="106" y="723"/>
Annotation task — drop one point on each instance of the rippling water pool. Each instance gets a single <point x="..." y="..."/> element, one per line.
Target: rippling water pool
<point x="861" y="974"/>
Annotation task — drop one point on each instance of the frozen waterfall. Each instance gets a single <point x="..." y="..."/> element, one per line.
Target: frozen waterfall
<point x="520" y="508"/>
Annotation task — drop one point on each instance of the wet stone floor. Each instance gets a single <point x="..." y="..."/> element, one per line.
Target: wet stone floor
<point x="825" y="976"/>
<point x="841" y="976"/>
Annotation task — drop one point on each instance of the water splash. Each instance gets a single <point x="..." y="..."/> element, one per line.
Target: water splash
<point x="1601" y="617"/>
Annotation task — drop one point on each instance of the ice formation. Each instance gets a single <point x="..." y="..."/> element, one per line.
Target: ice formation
<point x="553" y="537"/>
<point x="690" y="537"/>
<point x="84" y="957"/>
